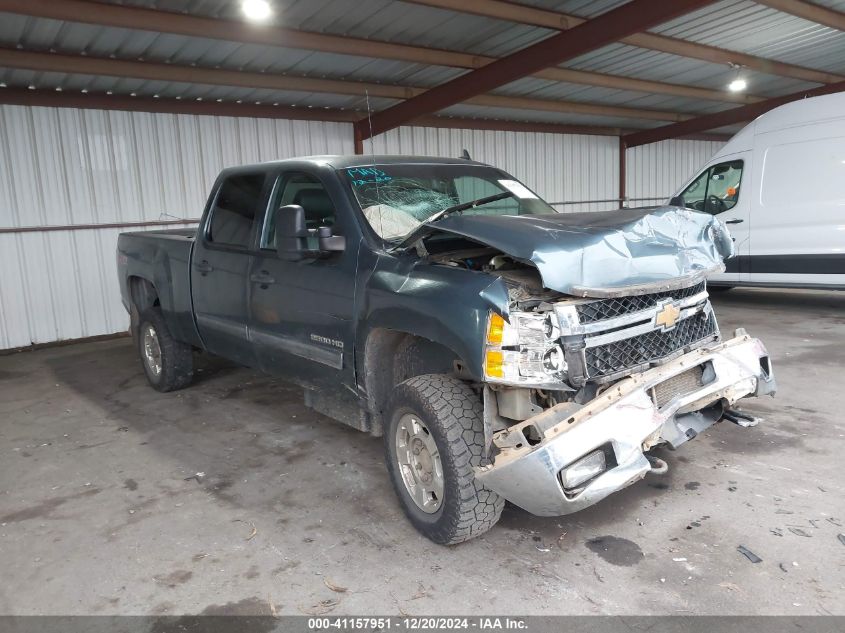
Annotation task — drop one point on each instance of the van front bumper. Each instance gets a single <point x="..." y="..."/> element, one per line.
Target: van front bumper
<point x="668" y="404"/>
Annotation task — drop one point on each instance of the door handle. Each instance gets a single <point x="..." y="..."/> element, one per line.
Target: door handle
<point x="264" y="278"/>
<point x="204" y="267"/>
<point x="734" y="221"/>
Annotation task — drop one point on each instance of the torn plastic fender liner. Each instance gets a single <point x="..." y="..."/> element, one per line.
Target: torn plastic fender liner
<point x="606" y="254"/>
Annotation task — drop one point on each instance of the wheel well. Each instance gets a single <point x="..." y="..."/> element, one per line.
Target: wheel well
<point x="392" y="357"/>
<point x="143" y="294"/>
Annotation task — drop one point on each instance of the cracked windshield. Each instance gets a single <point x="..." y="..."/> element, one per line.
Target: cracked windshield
<point x="396" y="199"/>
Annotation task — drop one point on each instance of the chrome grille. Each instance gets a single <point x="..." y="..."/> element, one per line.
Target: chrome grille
<point x="611" y="308"/>
<point x="623" y="355"/>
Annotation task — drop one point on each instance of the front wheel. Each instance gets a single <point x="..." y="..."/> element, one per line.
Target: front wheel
<point x="433" y="440"/>
<point x="168" y="363"/>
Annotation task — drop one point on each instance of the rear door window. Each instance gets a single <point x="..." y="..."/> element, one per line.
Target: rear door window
<point x="239" y="201"/>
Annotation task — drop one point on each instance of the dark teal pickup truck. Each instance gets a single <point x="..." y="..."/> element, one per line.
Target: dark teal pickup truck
<point x="504" y="351"/>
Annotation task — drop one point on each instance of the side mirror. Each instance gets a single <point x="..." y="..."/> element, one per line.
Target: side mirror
<point x="291" y="233"/>
<point x="292" y="236"/>
<point x="677" y="201"/>
<point x="328" y="243"/>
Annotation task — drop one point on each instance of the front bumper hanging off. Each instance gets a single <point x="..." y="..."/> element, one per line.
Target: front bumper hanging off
<point x="669" y="404"/>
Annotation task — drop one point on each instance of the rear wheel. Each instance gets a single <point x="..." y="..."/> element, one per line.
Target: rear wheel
<point x="434" y="439"/>
<point x="168" y="363"/>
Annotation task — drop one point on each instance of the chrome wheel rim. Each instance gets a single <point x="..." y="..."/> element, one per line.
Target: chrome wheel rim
<point x="152" y="350"/>
<point x="419" y="463"/>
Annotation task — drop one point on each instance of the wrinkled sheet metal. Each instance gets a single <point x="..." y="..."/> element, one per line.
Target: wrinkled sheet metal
<point x="528" y="474"/>
<point x="612" y="253"/>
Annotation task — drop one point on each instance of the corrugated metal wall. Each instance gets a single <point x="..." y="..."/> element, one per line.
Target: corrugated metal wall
<point x="558" y="167"/>
<point x="70" y="167"/>
<point x="59" y="285"/>
<point x="66" y="166"/>
<point x="659" y="169"/>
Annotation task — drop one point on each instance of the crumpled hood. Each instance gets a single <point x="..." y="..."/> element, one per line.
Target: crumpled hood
<point x="611" y="253"/>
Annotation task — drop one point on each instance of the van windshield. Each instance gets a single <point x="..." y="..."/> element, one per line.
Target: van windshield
<point x="396" y="199"/>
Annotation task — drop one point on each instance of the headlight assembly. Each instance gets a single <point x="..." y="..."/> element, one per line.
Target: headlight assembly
<point x="524" y="350"/>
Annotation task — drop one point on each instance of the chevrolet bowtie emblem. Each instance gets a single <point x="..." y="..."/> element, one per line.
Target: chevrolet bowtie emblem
<point x="668" y="316"/>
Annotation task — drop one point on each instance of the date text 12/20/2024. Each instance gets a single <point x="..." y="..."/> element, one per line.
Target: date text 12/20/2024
<point x="417" y="623"/>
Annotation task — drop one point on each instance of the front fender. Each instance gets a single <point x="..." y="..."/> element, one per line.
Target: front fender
<point x="446" y="305"/>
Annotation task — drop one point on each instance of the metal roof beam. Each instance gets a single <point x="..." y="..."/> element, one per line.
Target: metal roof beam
<point x="50" y="98"/>
<point x="76" y="64"/>
<point x="609" y="27"/>
<point x="726" y="117"/>
<point x="561" y="21"/>
<point x="194" y="26"/>
<point x="812" y="12"/>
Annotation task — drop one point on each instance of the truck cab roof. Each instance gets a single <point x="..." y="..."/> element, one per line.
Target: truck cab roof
<point x="339" y="161"/>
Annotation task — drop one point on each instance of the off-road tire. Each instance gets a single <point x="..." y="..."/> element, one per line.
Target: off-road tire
<point x="453" y="414"/>
<point x="177" y="361"/>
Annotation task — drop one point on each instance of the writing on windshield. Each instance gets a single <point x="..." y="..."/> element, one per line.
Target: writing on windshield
<point x="366" y="175"/>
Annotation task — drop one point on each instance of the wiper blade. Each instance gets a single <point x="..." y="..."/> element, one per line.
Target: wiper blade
<point x="467" y="205"/>
<point x="411" y="237"/>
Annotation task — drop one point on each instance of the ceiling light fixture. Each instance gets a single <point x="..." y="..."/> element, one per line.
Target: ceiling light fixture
<point x="738" y="85"/>
<point x="256" y="10"/>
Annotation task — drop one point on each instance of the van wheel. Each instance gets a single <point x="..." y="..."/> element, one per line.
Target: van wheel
<point x="434" y="438"/>
<point x="168" y="363"/>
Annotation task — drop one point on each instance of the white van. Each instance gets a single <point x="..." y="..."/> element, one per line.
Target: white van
<point x="780" y="186"/>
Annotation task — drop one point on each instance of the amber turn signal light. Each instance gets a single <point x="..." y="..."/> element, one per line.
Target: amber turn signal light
<point x="495" y="329"/>
<point x="494" y="364"/>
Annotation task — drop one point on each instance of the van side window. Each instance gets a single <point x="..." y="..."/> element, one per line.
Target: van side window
<point x="306" y="191"/>
<point x="716" y="189"/>
<point x="237" y="204"/>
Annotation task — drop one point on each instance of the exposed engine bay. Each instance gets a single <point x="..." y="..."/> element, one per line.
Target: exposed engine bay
<point x="560" y="342"/>
<point x="525" y="285"/>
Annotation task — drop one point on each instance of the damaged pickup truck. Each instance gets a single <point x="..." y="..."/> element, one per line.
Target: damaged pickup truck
<point x="503" y="350"/>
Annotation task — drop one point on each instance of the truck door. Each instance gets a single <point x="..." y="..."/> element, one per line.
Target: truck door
<point x="301" y="312"/>
<point x="723" y="189"/>
<point x="221" y="261"/>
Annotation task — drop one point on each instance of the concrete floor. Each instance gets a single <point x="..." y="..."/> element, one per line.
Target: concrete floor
<point x="98" y="513"/>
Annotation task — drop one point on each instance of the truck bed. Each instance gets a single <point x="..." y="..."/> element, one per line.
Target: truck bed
<point x="165" y="258"/>
<point x="182" y="234"/>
